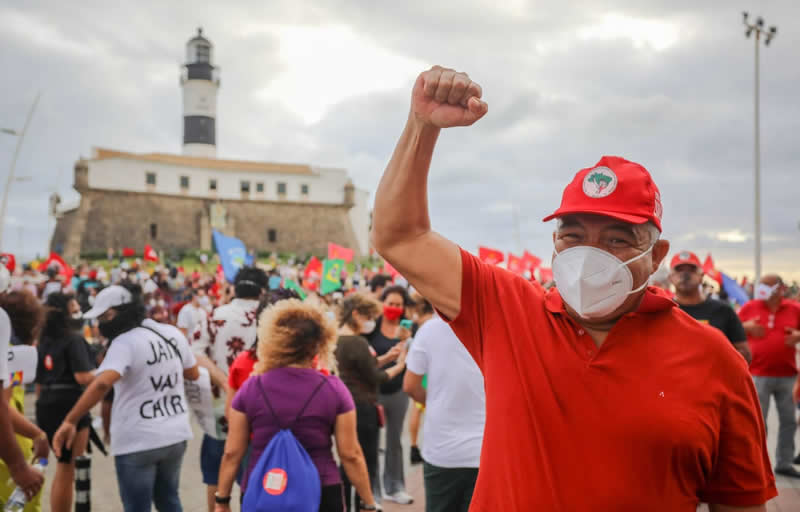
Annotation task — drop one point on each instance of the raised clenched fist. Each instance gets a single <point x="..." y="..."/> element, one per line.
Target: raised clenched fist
<point x="444" y="98"/>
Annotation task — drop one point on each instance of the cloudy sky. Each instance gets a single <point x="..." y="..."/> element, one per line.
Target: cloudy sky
<point x="666" y="83"/>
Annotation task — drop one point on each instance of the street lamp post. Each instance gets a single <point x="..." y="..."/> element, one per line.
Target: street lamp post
<point x="20" y="138"/>
<point x="758" y="29"/>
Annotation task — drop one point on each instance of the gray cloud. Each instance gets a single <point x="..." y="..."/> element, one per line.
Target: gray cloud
<point x="558" y="101"/>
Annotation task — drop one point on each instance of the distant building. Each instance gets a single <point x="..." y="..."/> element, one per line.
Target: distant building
<point x="173" y="202"/>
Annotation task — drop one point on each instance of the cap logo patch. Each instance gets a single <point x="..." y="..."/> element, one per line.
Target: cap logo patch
<point x="599" y="182"/>
<point x="684" y="256"/>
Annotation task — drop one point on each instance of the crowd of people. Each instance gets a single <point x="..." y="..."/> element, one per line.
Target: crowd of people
<point x="591" y="392"/>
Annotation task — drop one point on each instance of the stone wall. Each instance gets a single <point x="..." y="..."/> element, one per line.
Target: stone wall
<point x="122" y="219"/>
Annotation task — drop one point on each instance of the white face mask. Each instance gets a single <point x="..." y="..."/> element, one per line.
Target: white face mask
<point x="764" y="292"/>
<point x="77" y="315"/>
<point x="368" y="327"/>
<point x="594" y="282"/>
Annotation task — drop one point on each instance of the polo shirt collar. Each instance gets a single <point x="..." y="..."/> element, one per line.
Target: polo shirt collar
<point x="655" y="300"/>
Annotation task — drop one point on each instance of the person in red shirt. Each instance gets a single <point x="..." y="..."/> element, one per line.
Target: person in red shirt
<point x="772" y="324"/>
<point x="600" y="393"/>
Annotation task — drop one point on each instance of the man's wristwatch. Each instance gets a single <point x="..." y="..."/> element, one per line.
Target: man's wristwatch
<point x="222" y="500"/>
<point x="368" y="507"/>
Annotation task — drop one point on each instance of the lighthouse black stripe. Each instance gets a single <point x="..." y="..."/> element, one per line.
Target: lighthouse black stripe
<point x="199" y="71"/>
<point x="199" y="130"/>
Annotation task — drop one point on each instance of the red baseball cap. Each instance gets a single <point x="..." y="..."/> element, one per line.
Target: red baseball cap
<point x="685" y="258"/>
<point x="615" y="188"/>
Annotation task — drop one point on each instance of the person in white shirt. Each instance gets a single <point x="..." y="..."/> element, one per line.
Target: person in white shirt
<point x="216" y="341"/>
<point x="454" y="415"/>
<point x="192" y="313"/>
<point x="146" y="363"/>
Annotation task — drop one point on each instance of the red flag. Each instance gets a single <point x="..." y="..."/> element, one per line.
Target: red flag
<point x="63" y="269"/>
<point x="150" y="253"/>
<point x="516" y="264"/>
<point x="9" y="261"/>
<point x="314" y="267"/>
<point x="490" y="256"/>
<point x="337" y="252"/>
<point x="545" y="275"/>
<point x="530" y="262"/>
<point x="128" y="252"/>
<point x="710" y="270"/>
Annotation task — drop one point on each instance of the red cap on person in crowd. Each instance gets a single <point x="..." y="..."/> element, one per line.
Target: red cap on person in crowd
<point x="685" y="258"/>
<point x="615" y="188"/>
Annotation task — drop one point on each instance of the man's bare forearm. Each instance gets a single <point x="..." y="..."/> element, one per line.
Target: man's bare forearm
<point x="401" y="202"/>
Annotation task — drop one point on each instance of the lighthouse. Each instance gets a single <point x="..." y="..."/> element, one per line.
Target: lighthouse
<point x="200" y="83"/>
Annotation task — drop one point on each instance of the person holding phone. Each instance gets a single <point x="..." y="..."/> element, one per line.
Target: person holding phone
<point x="390" y="335"/>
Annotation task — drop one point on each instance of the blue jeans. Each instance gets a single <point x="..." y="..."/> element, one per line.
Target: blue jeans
<point x="151" y="477"/>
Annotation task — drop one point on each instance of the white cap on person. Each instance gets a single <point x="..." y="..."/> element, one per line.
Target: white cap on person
<point x="108" y="298"/>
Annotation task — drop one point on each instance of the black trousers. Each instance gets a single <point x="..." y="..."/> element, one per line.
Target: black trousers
<point x="368" y="430"/>
<point x="331" y="499"/>
<point x="448" y="489"/>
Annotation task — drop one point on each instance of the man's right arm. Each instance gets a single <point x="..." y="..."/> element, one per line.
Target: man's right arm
<point x="401" y="230"/>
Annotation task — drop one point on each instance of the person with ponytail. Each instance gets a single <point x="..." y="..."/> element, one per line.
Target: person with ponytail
<point x="64" y="369"/>
<point x="358" y="369"/>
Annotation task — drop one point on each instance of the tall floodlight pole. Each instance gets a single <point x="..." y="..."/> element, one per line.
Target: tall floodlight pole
<point x="758" y="29"/>
<point x="10" y="179"/>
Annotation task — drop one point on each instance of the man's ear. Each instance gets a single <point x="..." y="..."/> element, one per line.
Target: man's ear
<point x="660" y="251"/>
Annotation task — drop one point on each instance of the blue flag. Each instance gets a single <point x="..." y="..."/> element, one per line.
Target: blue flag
<point x="734" y="291"/>
<point x="232" y="254"/>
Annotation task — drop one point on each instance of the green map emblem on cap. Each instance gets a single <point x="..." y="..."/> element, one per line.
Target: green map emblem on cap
<point x="599" y="182"/>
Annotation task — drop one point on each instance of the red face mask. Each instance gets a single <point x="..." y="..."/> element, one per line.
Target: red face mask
<point x="392" y="313"/>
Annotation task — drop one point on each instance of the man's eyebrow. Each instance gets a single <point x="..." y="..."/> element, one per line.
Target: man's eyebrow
<point x="625" y="228"/>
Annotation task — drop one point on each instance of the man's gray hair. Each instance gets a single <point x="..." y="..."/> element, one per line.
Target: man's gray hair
<point x="653" y="233"/>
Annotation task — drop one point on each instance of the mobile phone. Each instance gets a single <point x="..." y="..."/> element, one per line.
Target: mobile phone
<point x="406" y="324"/>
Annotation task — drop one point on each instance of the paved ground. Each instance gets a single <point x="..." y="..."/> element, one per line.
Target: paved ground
<point x="105" y="496"/>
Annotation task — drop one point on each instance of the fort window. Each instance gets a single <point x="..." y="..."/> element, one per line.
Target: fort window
<point x="153" y="231"/>
<point x="150" y="178"/>
<point x="272" y="236"/>
<point x="260" y="186"/>
<point x="281" y="189"/>
<point x="304" y="190"/>
<point x="212" y="184"/>
<point x="185" y="182"/>
<point x="245" y="187"/>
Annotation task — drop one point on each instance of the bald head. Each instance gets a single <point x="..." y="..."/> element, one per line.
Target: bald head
<point x="771" y="280"/>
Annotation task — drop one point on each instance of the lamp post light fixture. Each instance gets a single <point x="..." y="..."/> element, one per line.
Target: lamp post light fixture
<point x="760" y="31"/>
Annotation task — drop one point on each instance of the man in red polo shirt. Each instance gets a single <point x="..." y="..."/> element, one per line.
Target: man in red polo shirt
<point x="772" y="324"/>
<point x="600" y="394"/>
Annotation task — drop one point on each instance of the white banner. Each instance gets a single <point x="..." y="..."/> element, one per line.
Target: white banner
<point x="198" y="394"/>
<point x="22" y="358"/>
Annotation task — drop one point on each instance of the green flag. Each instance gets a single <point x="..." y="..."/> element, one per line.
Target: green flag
<point x="291" y="285"/>
<point x="331" y="273"/>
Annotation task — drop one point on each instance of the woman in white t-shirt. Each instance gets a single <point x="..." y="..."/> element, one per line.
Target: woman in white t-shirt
<point x="146" y="363"/>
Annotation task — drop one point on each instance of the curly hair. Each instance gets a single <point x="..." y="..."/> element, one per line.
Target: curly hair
<point x="271" y="298"/>
<point x="360" y="303"/>
<point x="293" y="333"/>
<point x="26" y="314"/>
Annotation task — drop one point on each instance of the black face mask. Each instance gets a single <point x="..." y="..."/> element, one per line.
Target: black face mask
<point x="114" y="327"/>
